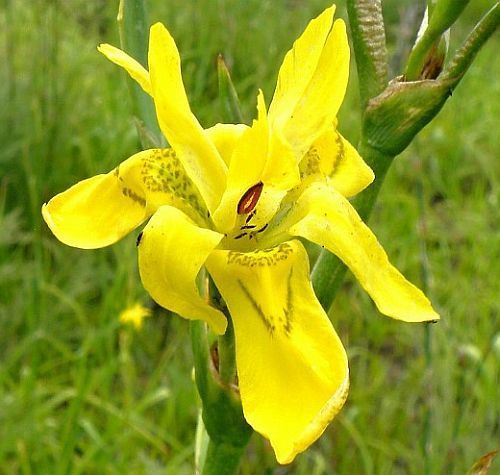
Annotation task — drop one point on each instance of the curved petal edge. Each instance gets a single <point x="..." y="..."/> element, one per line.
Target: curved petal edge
<point x="172" y="250"/>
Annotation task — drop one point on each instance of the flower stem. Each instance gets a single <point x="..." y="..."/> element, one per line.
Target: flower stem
<point x="227" y="357"/>
<point x="225" y="343"/>
<point x="222" y="459"/>
<point x="223" y="428"/>
<point x="368" y="36"/>
<point x="227" y="432"/>
<point x="214" y="458"/>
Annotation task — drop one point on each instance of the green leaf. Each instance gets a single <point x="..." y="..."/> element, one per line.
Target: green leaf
<point x="466" y="54"/>
<point x="394" y="117"/>
<point x="134" y="34"/>
<point x="230" y="104"/>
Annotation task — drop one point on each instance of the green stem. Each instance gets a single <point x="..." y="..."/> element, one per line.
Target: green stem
<point x="227" y="355"/>
<point x="222" y="459"/>
<point x="329" y="271"/>
<point x="225" y="344"/>
<point x="379" y="162"/>
<point x="368" y="37"/>
<point x="227" y="432"/>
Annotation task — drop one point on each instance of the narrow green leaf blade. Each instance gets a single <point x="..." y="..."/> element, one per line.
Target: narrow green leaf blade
<point x="229" y="102"/>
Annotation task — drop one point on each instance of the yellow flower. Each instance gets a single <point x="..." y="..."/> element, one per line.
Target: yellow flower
<point x="235" y="199"/>
<point x="135" y="315"/>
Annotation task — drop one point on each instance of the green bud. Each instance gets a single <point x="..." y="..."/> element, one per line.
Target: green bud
<point x="394" y="117"/>
<point x="433" y="64"/>
<point x="424" y="61"/>
<point x="444" y="14"/>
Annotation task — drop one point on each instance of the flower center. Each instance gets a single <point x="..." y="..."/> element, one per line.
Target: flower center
<point x="246" y="233"/>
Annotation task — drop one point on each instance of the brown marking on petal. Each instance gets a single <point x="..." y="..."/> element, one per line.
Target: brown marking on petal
<point x="267" y="320"/>
<point x="134" y="196"/>
<point x="249" y="200"/>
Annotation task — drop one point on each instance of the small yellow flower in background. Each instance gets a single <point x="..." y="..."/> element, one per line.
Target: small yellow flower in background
<point x="235" y="199"/>
<point x="135" y="315"/>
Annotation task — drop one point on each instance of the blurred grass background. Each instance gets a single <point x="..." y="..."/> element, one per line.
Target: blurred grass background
<point x="79" y="393"/>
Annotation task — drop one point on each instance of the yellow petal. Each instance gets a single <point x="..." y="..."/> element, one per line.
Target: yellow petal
<point x="292" y="367"/>
<point x="100" y="210"/>
<point x="299" y="66"/>
<point x="334" y="159"/>
<point x="133" y="67"/>
<point x="172" y="250"/>
<point x="200" y="158"/>
<point x="225" y="137"/>
<point x="258" y="157"/>
<point x="331" y="221"/>
<point x="312" y="82"/>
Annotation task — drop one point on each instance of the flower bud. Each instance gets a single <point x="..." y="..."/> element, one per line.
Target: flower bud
<point x="427" y="57"/>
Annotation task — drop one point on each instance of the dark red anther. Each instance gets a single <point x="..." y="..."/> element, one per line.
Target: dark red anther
<point x="249" y="200"/>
